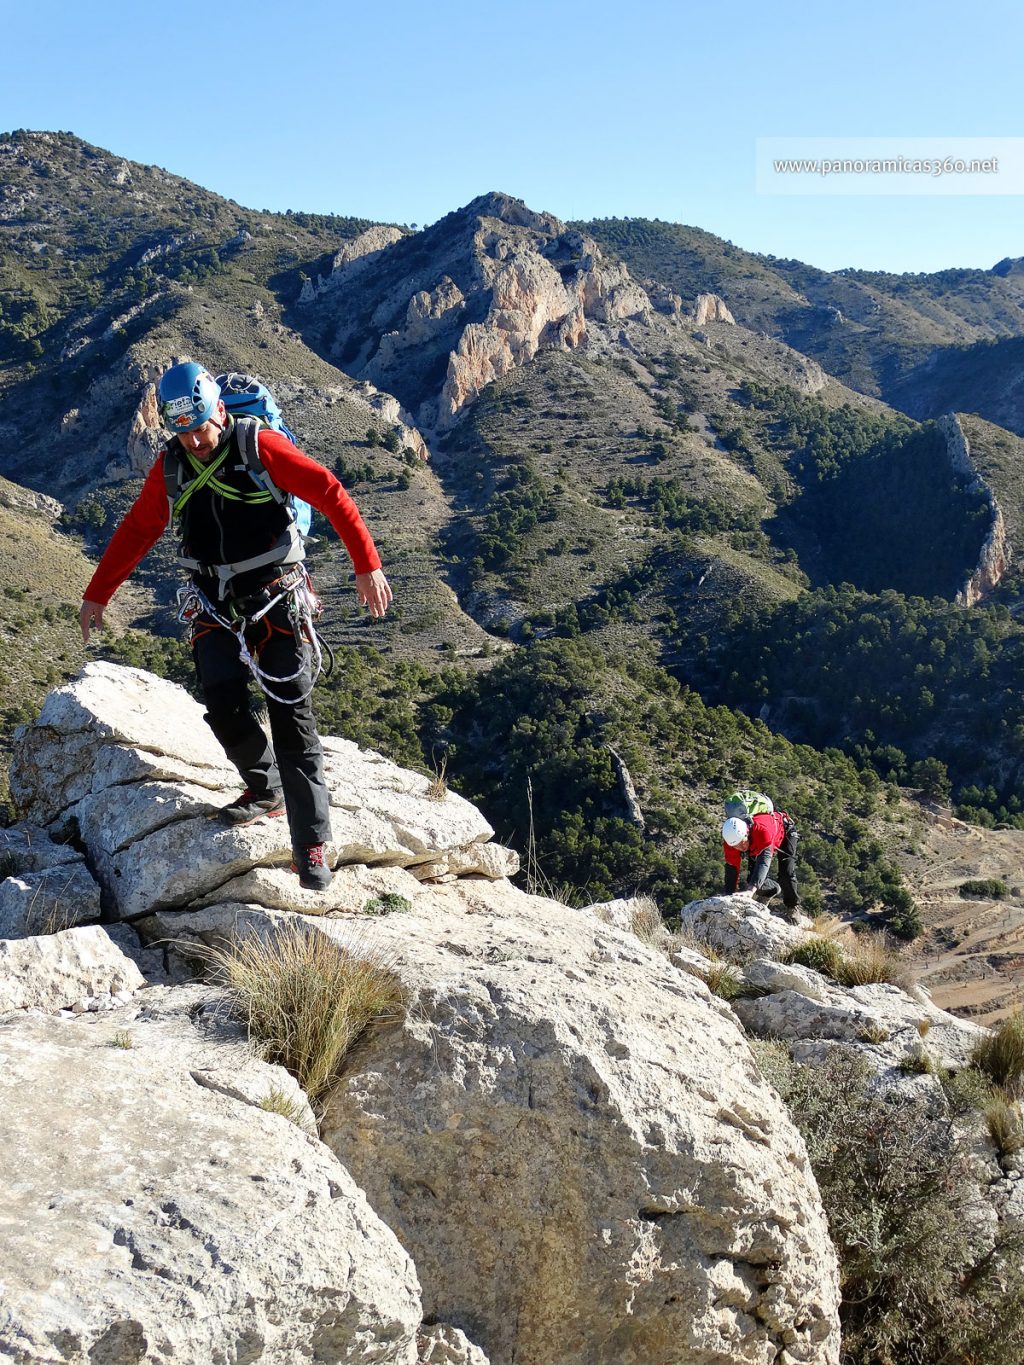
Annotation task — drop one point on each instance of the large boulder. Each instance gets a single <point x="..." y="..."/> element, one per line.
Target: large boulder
<point x="570" y="1137"/>
<point x="53" y="971"/>
<point x="739" y="927"/>
<point x="125" y="760"/>
<point x="153" y="1210"/>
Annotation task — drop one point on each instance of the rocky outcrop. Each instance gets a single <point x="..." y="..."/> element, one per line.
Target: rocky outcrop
<point x="127" y="759"/>
<point x="710" y="308"/>
<point x="893" y="1027"/>
<point x="167" y="1215"/>
<point x="533" y="304"/>
<point x="565" y="1133"/>
<point x="27" y="500"/>
<point x="580" y="1156"/>
<point x="739" y="927"/>
<point x="350" y="260"/>
<point x="145" y="434"/>
<point x="995" y="555"/>
<point x="472" y="297"/>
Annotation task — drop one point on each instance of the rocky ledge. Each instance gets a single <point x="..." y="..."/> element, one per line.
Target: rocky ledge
<point x="561" y="1150"/>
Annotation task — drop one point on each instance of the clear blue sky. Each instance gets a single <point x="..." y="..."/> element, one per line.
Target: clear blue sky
<point x="584" y="108"/>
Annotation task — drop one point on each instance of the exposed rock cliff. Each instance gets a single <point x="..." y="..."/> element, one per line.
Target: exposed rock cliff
<point x="995" y="552"/>
<point x="437" y="316"/>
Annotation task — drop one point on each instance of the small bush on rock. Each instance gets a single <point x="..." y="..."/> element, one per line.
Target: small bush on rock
<point x="306" y="999"/>
<point x="1001" y="1056"/>
<point x="820" y="954"/>
<point x="922" y="1282"/>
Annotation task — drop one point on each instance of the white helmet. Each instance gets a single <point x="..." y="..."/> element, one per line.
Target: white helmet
<point x="734" y="831"/>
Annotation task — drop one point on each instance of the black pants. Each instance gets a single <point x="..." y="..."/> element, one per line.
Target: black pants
<point x="787" y="869"/>
<point x="294" y="762"/>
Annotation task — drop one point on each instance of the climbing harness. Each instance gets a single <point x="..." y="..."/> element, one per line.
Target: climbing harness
<point x="304" y="609"/>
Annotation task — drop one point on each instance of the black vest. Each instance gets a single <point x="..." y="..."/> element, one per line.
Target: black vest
<point x="216" y="529"/>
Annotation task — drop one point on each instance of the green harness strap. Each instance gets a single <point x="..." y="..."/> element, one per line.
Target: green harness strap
<point x="205" y="476"/>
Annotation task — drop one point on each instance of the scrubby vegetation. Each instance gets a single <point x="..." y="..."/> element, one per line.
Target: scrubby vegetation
<point x="544" y="720"/>
<point x="922" y="1278"/>
<point x="924" y="691"/>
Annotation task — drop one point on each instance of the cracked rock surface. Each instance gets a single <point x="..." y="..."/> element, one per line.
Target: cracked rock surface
<point x="167" y="1216"/>
<point x="572" y="1140"/>
<point x="126" y="760"/>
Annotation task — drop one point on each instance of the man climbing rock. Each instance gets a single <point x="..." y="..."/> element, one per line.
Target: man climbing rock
<point x="249" y="606"/>
<point x="760" y="837"/>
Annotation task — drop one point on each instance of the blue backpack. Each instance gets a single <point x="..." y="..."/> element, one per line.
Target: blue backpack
<point x="245" y="396"/>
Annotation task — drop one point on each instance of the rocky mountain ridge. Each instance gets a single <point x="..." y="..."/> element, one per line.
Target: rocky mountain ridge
<point x="538" y="1048"/>
<point x="609" y="457"/>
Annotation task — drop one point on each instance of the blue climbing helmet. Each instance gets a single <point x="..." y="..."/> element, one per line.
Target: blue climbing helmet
<point x="187" y="396"/>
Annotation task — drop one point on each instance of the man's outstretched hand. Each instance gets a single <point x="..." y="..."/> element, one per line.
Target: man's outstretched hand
<point x="90" y="615"/>
<point x="374" y="592"/>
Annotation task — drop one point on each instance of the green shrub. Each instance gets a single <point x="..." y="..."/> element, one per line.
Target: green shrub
<point x="990" y="888"/>
<point x="389" y="903"/>
<point x="821" y="954"/>
<point x="897" y="1185"/>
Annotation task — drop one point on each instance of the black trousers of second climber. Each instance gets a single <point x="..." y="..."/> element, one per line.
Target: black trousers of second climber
<point x="787" y="869"/>
<point x="293" y="762"/>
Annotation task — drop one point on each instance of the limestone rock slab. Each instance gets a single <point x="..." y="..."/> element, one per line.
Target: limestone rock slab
<point x="173" y="1218"/>
<point x="739" y="927"/>
<point x="350" y="891"/>
<point x="51" y="972"/>
<point x="580" y="1153"/>
<point x="29" y="848"/>
<point x="45" y="902"/>
<point x="893" y="1022"/>
<point x="54" y="757"/>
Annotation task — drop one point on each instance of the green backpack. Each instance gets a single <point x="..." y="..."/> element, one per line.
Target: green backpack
<point x="744" y="803"/>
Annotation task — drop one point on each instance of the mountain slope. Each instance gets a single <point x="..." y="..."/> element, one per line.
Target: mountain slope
<point x="882" y="334"/>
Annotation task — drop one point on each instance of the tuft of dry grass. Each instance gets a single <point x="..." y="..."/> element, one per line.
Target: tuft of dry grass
<point x="275" y="1101"/>
<point x="1005" y="1124"/>
<point x="873" y="959"/>
<point x="123" y="1039"/>
<point x="645" y="920"/>
<point x="437" y="789"/>
<point x="1001" y="1056"/>
<point x="306" y="998"/>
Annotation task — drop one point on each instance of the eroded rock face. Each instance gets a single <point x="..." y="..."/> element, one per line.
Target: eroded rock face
<point x="127" y="759"/>
<point x="52" y="971"/>
<point x="456" y="306"/>
<point x="995" y="555"/>
<point x="580" y="1155"/>
<point x="154" y="1211"/>
<point x="710" y="308"/>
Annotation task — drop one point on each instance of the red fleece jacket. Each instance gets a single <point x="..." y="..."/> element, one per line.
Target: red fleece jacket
<point x="292" y="471"/>
<point x="766" y="831"/>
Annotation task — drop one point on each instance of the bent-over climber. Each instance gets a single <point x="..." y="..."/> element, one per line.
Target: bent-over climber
<point x="760" y="837"/>
<point x="249" y="606"/>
